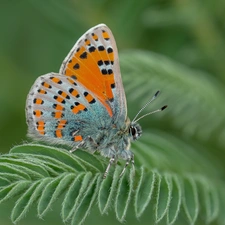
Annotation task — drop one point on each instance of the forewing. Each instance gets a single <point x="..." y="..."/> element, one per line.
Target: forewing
<point x="60" y="109"/>
<point x="94" y="62"/>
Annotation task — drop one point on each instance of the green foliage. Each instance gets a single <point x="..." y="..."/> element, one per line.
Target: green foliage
<point x="179" y="160"/>
<point x="34" y="179"/>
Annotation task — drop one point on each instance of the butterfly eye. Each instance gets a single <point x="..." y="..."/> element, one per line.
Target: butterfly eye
<point x="135" y="131"/>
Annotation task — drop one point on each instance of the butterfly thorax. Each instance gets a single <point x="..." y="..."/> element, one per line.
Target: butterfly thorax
<point x="114" y="141"/>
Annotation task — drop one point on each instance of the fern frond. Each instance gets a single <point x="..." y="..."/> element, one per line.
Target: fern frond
<point x="168" y="191"/>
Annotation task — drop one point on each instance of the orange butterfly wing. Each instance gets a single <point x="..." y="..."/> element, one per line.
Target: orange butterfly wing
<point x="93" y="61"/>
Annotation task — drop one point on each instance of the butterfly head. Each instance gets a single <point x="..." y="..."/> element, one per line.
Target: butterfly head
<point x="135" y="131"/>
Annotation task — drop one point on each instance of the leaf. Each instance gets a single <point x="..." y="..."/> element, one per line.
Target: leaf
<point x="167" y="192"/>
<point x="144" y="191"/>
<point x="25" y="202"/>
<point x="11" y="177"/>
<point x="74" y="194"/>
<point x="163" y="197"/>
<point x="4" y="181"/>
<point x="13" y="190"/>
<point x="87" y="201"/>
<point x="176" y="200"/>
<point x="52" y="191"/>
<point x="24" y="164"/>
<point x="8" y="168"/>
<point x="90" y="160"/>
<point x="54" y="153"/>
<point x="107" y="191"/>
<point x="210" y="200"/>
<point x="123" y="195"/>
<point x="190" y="199"/>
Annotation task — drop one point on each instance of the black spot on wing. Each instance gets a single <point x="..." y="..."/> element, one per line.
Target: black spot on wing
<point x="109" y="50"/>
<point x="83" y="55"/>
<point x="101" y="48"/>
<point x="91" y="49"/>
<point x="76" y="66"/>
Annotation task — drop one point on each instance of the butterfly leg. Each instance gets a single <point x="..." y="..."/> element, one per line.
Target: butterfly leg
<point x="76" y="147"/>
<point x="89" y="140"/>
<point x="130" y="160"/>
<point x="111" y="161"/>
<point x="91" y="143"/>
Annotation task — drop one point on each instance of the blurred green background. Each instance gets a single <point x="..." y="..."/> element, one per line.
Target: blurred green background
<point x="37" y="35"/>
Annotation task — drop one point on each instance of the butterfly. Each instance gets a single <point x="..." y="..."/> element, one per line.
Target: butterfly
<point x="84" y="105"/>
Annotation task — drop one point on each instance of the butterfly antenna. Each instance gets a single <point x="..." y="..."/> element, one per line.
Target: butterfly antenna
<point x="151" y="100"/>
<point x="158" y="110"/>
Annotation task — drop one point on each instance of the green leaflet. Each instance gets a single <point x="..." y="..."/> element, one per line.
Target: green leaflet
<point x="144" y="191"/>
<point x="107" y="191"/>
<point x="123" y="194"/>
<point x="176" y="200"/>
